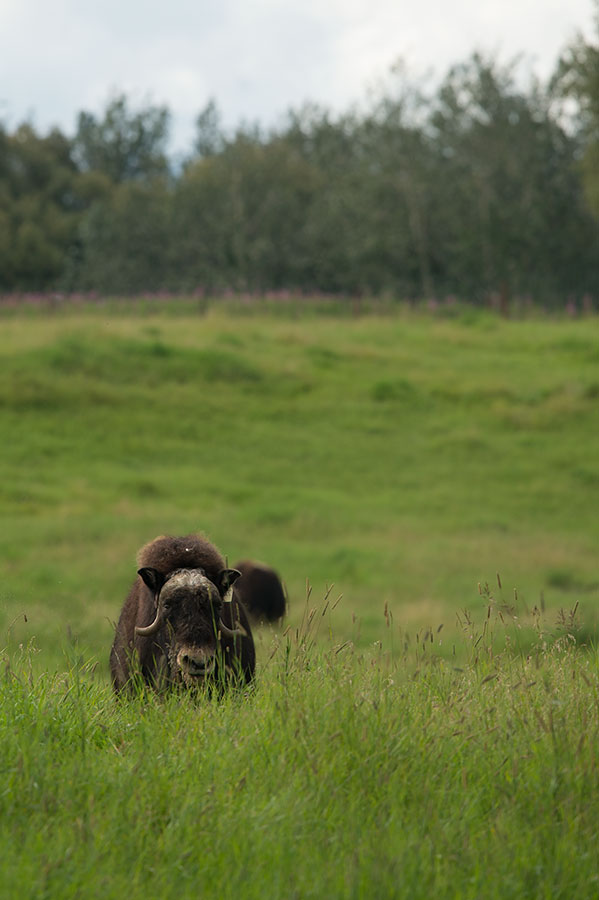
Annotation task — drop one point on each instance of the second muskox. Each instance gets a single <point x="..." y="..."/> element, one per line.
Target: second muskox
<point x="180" y="623"/>
<point x="261" y="591"/>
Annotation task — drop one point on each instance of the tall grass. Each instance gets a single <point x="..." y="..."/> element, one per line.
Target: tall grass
<point x="397" y="773"/>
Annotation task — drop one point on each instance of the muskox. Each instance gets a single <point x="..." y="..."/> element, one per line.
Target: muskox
<point x="260" y="590"/>
<point x="180" y="623"/>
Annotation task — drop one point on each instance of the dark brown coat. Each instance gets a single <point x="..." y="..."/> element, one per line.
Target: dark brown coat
<point x="180" y="623"/>
<point x="260" y="590"/>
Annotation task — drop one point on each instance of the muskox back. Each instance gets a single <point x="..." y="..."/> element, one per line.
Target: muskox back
<point x="260" y="590"/>
<point x="189" y="552"/>
<point x="180" y="622"/>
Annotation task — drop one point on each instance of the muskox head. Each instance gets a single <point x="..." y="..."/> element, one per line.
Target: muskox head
<point x="198" y="641"/>
<point x="181" y="623"/>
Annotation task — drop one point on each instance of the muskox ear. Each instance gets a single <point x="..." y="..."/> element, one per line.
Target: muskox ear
<point x="226" y="579"/>
<point x="152" y="578"/>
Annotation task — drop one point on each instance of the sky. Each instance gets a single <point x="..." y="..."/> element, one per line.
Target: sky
<point x="255" y="58"/>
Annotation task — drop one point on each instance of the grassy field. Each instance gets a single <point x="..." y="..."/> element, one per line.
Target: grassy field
<point x="436" y="734"/>
<point x="403" y="459"/>
<point x="340" y="775"/>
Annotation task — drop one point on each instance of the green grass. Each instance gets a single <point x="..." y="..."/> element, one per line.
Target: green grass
<point x="438" y="736"/>
<point x="391" y="775"/>
<point x="403" y="458"/>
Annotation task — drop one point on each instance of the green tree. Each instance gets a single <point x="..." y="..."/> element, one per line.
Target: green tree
<point x="240" y="214"/>
<point x="126" y="240"/>
<point x="398" y="161"/>
<point x="336" y="227"/>
<point x="40" y="208"/>
<point x="510" y="198"/>
<point x="123" y="144"/>
<point x="210" y="139"/>
<point x="577" y="78"/>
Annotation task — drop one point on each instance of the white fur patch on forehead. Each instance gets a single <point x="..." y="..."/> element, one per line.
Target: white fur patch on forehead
<point x="187" y="578"/>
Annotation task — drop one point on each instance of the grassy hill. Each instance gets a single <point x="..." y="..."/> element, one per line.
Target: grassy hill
<point x="435" y="733"/>
<point x="403" y="458"/>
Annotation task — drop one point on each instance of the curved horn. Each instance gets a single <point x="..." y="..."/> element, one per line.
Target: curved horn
<point x="154" y="580"/>
<point x="232" y="632"/>
<point x="146" y="630"/>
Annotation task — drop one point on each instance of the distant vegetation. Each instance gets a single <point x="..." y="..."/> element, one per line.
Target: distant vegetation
<point x="484" y="188"/>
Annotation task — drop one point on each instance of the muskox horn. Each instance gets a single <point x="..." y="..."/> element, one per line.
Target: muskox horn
<point x="146" y="630"/>
<point x="239" y="631"/>
<point x="155" y="581"/>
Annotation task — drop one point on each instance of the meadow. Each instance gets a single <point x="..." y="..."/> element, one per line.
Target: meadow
<point x="433" y="734"/>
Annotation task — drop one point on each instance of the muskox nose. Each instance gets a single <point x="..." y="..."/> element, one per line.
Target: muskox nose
<point x="195" y="663"/>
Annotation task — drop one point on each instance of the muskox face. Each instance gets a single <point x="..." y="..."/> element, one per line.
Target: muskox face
<point x="188" y="622"/>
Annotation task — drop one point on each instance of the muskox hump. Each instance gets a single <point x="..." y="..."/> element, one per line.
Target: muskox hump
<point x="261" y="591"/>
<point x="193" y="551"/>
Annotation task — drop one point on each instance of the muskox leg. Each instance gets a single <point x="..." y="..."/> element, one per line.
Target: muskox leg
<point x="119" y="670"/>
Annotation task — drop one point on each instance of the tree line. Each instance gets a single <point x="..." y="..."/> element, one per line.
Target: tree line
<point x="480" y="188"/>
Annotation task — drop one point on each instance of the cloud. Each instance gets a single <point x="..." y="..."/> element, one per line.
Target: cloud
<point x="257" y="59"/>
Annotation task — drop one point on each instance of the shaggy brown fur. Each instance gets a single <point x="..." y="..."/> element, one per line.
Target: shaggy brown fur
<point x="190" y="629"/>
<point x="190" y="552"/>
<point x="261" y="591"/>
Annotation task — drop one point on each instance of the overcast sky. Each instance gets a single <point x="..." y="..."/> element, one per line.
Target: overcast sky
<point x="256" y="58"/>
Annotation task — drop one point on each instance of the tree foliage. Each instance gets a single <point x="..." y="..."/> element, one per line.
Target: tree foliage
<point x="474" y="189"/>
<point x="40" y="207"/>
<point x="577" y="78"/>
<point x="124" y="145"/>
